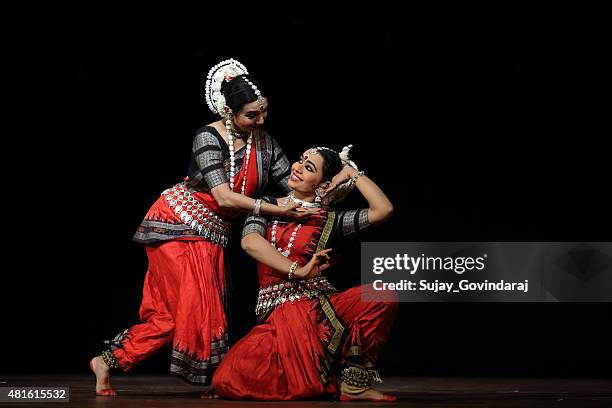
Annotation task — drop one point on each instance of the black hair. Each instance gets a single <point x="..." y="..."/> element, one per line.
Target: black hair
<point x="238" y="92"/>
<point x="331" y="164"/>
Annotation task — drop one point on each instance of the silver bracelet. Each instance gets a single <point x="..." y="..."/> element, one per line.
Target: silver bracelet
<point x="356" y="176"/>
<point x="292" y="269"/>
<point x="256" y="207"/>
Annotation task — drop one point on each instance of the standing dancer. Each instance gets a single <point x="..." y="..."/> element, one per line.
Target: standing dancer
<point x="187" y="229"/>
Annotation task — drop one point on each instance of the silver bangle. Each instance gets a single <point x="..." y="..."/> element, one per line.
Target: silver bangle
<point x="355" y="177"/>
<point x="292" y="269"/>
<point x="256" y="207"/>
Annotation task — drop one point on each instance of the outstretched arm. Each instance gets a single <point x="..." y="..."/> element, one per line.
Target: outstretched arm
<point x="230" y="199"/>
<point x="209" y="159"/>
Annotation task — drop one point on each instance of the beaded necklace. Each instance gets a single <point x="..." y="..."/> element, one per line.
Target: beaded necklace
<point x="230" y="142"/>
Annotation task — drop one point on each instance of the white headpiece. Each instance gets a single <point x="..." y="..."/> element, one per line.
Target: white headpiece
<point x="345" y="159"/>
<point x="224" y="71"/>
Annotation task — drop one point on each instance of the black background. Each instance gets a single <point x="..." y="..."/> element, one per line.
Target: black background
<point x="481" y="123"/>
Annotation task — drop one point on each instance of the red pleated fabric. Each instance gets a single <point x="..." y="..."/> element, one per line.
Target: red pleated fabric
<point x="282" y="358"/>
<point x="182" y="302"/>
<point x="184" y="293"/>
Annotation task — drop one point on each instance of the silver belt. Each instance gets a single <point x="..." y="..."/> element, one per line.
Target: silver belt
<point x="197" y="216"/>
<point x="292" y="290"/>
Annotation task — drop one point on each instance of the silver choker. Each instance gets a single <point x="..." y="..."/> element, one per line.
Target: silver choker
<point x="301" y="203"/>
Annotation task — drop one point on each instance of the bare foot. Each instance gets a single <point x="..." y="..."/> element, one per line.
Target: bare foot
<point x="210" y="394"/>
<point x="100" y="369"/>
<point x="369" y="394"/>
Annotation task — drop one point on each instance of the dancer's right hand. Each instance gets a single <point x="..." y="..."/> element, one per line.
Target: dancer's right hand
<point x="297" y="213"/>
<point x="319" y="262"/>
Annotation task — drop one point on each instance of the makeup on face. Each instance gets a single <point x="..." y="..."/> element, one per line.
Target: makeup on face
<point x="306" y="171"/>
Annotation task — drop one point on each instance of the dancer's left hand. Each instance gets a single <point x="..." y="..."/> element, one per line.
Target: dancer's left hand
<point x="343" y="175"/>
<point x="319" y="262"/>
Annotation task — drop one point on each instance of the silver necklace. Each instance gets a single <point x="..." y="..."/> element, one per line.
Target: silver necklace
<point x="230" y="140"/>
<point x="301" y="203"/>
<point x="287" y="250"/>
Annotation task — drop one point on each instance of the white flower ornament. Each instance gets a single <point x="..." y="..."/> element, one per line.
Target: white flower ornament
<point x="345" y="159"/>
<point x="223" y="71"/>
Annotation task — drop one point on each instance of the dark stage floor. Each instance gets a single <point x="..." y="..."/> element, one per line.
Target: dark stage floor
<point x="166" y="391"/>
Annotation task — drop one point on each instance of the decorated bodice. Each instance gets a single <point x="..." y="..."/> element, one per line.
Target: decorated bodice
<point x="210" y="166"/>
<point x="313" y="235"/>
<point x="299" y="241"/>
<point x="308" y="237"/>
<point x="188" y="210"/>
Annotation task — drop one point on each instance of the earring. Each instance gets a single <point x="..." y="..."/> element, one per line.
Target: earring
<point x="319" y="193"/>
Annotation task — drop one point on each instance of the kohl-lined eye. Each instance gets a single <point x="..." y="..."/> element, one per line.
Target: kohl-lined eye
<point x="308" y="166"/>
